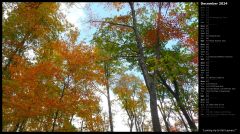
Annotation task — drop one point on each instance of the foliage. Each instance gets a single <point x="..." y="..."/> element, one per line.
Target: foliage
<point x="132" y="93"/>
<point x="60" y="83"/>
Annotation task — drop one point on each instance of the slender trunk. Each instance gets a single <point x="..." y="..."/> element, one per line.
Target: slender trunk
<point x="131" y="125"/>
<point x="130" y="118"/>
<point x="109" y="109"/>
<point x="81" y="128"/>
<point x="157" y="52"/>
<point x="182" y="107"/>
<point x="185" y="125"/>
<point x="57" y="112"/>
<point x="107" y="75"/>
<point x="22" y="126"/>
<point x="179" y="113"/>
<point x="190" y="114"/>
<point x="148" y="80"/>
<point x="136" y="124"/>
<point x="160" y="107"/>
<point x="16" y="127"/>
<point x="184" y="111"/>
<point x="71" y="119"/>
<point x="176" y="95"/>
<point x="54" y="121"/>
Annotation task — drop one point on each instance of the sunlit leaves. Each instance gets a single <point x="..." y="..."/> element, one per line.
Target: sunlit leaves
<point x="61" y="81"/>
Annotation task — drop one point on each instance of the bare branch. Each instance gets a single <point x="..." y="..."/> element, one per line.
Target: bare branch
<point x="112" y="23"/>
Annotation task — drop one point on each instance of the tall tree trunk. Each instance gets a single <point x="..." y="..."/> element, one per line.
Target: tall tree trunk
<point x="157" y="52"/>
<point x="109" y="108"/>
<point x="176" y="95"/>
<point x="107" y="75"/>
<point x="148" y="80"/>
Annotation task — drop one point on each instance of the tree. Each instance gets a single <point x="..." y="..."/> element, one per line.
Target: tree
<point x="46" y="94"/>
<point x="143" y="42"/>
<point x="48" y="91"/>
<point x="110" y="66"/>
<point x="131" y="93"/>
<point x="22" y="30"/>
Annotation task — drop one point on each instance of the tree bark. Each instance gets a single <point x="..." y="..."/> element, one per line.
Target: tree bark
<point x="108" y="96"/>
<point x="182" y="107"/>
<point x="164" y="116"/>
<point x="176" y="95"/>
<point x="180" y="115"/>
<point x="148" y="80"/>
<point x="190" y="122"/>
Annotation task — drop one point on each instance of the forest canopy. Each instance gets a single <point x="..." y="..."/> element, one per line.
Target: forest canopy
<point x="143" y="59"/>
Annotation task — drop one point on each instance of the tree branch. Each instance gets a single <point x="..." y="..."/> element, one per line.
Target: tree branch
<point x="163" y="81"/>
<point x="112" y="23"/>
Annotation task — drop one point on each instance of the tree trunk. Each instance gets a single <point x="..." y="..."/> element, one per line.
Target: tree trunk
<point x="109" y="109"/>
<point x="179" y="113"/>
<point x="190" y="122"/>
<point x="54" y="121"/>
<point x="164" y="116"/>
<point x="136" y="124"/>
<point x="157" y="52"/>
<point x="81" y="128"/>
<point x="185" y="125"/>
<point x="22" y="126"/>
<point x="131" y="126"/>
<point x="176" y="95"/>
<point x="148" y="80"/>
<point x="192" y="125"/>
<point x="57" y="112"/>
<point x="108" y="96"/>
<point x="130" y="118"/>
<point x="71" y="119"/>
<point x="15" y="129"/>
